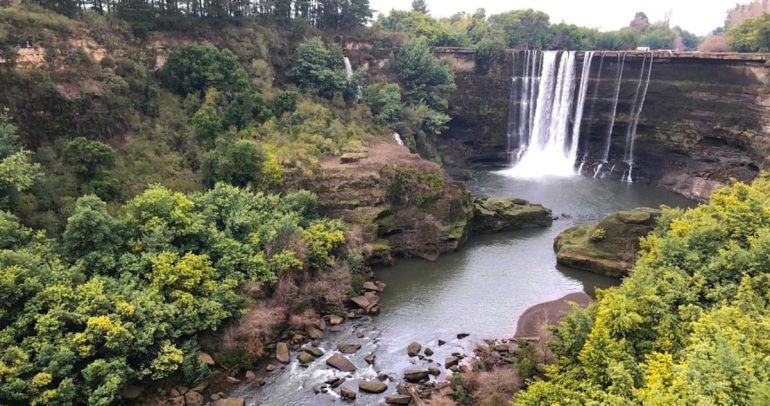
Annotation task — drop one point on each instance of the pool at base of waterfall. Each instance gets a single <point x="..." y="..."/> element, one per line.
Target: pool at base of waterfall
<point x="482" y="290"/>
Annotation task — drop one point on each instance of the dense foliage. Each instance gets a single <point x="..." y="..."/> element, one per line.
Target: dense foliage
<point x="689" y="326"/>
<point x="753" y="35"/>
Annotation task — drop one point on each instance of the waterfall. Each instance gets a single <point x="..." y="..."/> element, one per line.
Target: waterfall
<point x="632" y="112"/>
<point x="349" y="76"/>
<point x="621" y="65"/>
<point x="631" y="133"/>
<point x="596" y="89"/>
<point x="587" y="58"/>
<point x="547" y="144"/>
<point x="397" y="137"/>
<point x="511" y="135"/>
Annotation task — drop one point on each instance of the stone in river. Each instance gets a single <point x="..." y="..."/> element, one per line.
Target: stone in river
<point x="451" y="362"/>
<point x="361" y="302"/>
<point x="462" y="335"/>
<point x="282" y="353"/>
<point x="305" y="358"/>
<point x="372" y="386"/>
<point x="335" y="320"/>
<point x="340" y="362"/>
<point x="413" y="349"/>
<point x="416" y="375"/>
<point x="372" y="298"/>
<point x="231" y="402"/>
<point x="428" y="352"/>
<point x="314" y="351"/>
<point x="349" y="348"/>
<point x="270" y="368"/>
<point x="398" y="400"/>
<point x="314" y="333"/>
<point x="370" y="359"/>
<point x="441" y="342"/>
<point x="347" y="393"/>
<point x="434" y="371"/>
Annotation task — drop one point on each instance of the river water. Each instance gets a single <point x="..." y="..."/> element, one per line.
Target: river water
<point x="481" y="290"/>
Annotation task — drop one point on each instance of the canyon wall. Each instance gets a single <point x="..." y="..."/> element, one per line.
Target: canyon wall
<point x="706" y="118"/>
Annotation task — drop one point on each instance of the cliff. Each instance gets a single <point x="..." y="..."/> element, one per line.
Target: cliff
<point x="706" y="117"/>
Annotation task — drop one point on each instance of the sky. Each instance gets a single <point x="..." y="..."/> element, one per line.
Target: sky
<point x="696" y="16"/>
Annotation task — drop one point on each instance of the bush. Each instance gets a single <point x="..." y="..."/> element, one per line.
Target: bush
<point x="194" y="68"/>
<point x="384" y="100"/>
<point x="427" y="80"/>
<point x="753" y="35"/>
<point x="318" y="68"/>
<point x="598" y="235"/>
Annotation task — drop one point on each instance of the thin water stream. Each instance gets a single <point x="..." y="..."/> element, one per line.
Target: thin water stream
<point x="481" y="290"/>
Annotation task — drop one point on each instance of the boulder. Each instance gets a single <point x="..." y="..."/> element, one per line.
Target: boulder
<point x="231" y="402"/>
<point x="131" y="392"/>
<point x="462" y="335"/>
<point x="372" y="298"/>
<point x="451" y="362"/>
<point x="335" y="320"/>
<point x="497" y="215"/>
<point x="282" y="352"/>
<point x="398" y="400"/>
<point x="370" y="359"/>
<point x="348" y="348"/>
<point x="361" y="302"/>
<point x="314" y="333"/>
<point x="434" y="371"/>
<point x="372" y="386"/>
<point x="314" y="351"/>
<point x="270" y="368"/>
<point x="176" y="401"/>
<point x="608" y="247"/>
<point x="369" y="285"/>
<point x="340" y="362"/>
<point x="359" y="334"/>
<point x="305" y="358"/>
<point x="413" y="349"/>
<point x="416" y="375"/>
<point x="193" y="398"/>
<point x="206" y="359"/>
<point x="251" y="376"/>
<point x="428" y="352"/>
<point x="441" y="342"/>
<point x="347" y="393"/>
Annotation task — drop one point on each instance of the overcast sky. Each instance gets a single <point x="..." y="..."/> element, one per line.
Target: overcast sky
<point x="697" y="16"/>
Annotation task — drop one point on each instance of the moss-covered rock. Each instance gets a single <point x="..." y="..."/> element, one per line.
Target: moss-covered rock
<point x="496" y="215"/>
<point x="608" y="247"/>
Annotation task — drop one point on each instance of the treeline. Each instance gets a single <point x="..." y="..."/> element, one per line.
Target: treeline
<point x="326" y="14"/>
<point x="531" y="29"/>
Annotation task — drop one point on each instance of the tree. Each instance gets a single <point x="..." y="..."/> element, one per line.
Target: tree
<point x="426" y="79"/>
<point x="237" y="163"/>
<point x="319" y="69"/>
<point x="207" y="125"/>
<point x="753" y="35"/>
<point x="384" y="100"/>
<point x="657" y="37"/>
<point x="285" y="102"/>
<point x="88" y="159"/>
<point x="640" y="22"/>
<point x="527" y="29"/>
<point x="247" y="108"/>
<point x="420" y="6"/>
<point x="194" y="68"/>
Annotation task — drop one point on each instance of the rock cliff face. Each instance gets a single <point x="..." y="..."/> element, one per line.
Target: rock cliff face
<point x="706" y="118"/>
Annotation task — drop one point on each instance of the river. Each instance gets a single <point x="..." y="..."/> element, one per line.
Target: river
<point x="481" y="290"/>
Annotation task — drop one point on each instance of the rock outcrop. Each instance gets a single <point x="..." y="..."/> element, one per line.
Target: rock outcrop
<point x="608" y="247"/>
<point x="496" y="215"/>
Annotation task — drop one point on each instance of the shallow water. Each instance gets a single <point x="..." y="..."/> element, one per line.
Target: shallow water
<point x="481" y="290"/>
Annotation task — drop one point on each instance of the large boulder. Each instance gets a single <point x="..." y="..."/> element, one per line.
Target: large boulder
<point x="416" y="375"/>
<point x="340" y="362"/>
<point x="282" y="352"/>
<point x="349" y="348"/>
<point x="372" y="386"/>
<point x="398" y="400"/>
<point x="496" y="215"/>
<point x="413" y="349"/>
<point x="608" y="247"/>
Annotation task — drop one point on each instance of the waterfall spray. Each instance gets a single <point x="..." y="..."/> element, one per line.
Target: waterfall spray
<point x="621" y="63"/>
<point x="349" y="76"/>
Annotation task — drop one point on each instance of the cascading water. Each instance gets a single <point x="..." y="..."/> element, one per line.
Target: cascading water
<point x="636" y="112"/>
<point x="605" y="157"/>
<point x="349" y="76"/>
<point x="397" y="137"/>
<point x="596" y="89"/>
<point x="546" y="143"/>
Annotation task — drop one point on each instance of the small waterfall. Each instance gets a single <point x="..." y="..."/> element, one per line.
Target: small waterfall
<point x="349" y="76"/>
<point x="511" y="132"/>
<point x="631" y="133"/>
<point x="587" y="59"/>
<point x="621" y="65"/>
<point x="598" y="169"/>
<point x="596" y="89"/>
<point x="632" y="113"/>
<point x="547" y="143"/>
<point x="397" y="137"/>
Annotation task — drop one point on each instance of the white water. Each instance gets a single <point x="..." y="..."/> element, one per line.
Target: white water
<point x="397" y="137"/>
<point x="547" y="143"/>
<point x="349" y="76"/>
<point x="621" y="63"/>
<point x="631" y="135"/>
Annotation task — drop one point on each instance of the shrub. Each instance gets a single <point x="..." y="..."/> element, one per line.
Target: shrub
<point x="193" y="68"/>
<point x="319" y="69"/>
<point x="598" y="235"/>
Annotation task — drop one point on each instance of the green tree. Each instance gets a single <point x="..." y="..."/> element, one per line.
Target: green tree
<point x="194" y="68"/>
<point x="319" y="69"/>
<point x="384" y="100"/>
<point x="420" y="6"/>
<point x="657" y="37"/>
<point x="238" y="163"/>
<point x="426" y="79"/>
<point x="207" y="125"/>
<point x="285" y="102"/>
<point x="753" y="35"/>
<point x="246" y="109"/>
<point x="88" y="159"/>
<point x="527" y="29"/>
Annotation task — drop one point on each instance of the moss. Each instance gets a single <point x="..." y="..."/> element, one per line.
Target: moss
<point x="496" y="215"/>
